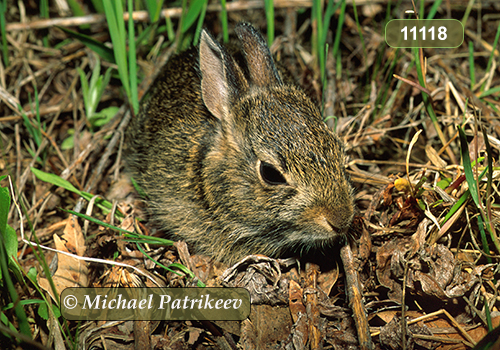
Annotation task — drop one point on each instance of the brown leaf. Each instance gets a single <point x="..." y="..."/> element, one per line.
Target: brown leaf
<point x="75" y="242"/>
<point x="326" y="280"/>
<point x="295" y="301"/>
<point x="268" y="327"/>
<point x="70" y="272"/>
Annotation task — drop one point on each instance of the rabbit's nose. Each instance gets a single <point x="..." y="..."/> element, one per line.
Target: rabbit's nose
<point x="323" y="217"/>
<point x="327" y="222"/>
<point x="333" y="221"/>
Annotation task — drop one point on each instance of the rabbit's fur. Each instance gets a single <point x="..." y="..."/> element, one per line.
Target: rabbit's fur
<point x="234" y="161"/>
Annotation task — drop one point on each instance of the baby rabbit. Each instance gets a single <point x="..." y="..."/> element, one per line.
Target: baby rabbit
<point x="234" y="161"/>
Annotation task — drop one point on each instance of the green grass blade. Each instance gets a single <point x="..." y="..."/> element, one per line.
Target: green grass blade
<point x="484" y="240"/>
<point x="223" y="17"/>
<point x="456" y="206"/>
<point x="3" y="33"/>
<point x="199" y="25"/>
<point x="22" y="319"/>
<point x="116" y="24"/>
<point x="170" y="29"/>
<point x="4" y="208"/>
<point x="469" y="176"/>
<point x="317" y="22"/>
<point x="99" y="7"/>
<point x="131" y="236"/>
<point x="138" y="188"/>
<point x="4" y="262"/>
<point x="269" y="7"/>
<point x="338" y="32"/>
<point x="76" y="8"/>
<point x="44" y="13"/>
<point x="146" y="34"/>
<point x="120" y="22"/>
<point x="187" y="272"/>
<point x="489" y="186"/>
<point x="490" y="166"/>
<point x="134" y="94"/>
<point x="435" y="7"/>
<point x="102" y="50"/>
<point x="466" y="13"/>
<point x="9" y="234"/>
<point x="85" y="89"/>
<point x="154" y="9"/>
<point x="490" y="91"/>
<point x="425" y="97"/>
<point x="39" y="135"/>
<point x="55" y="180"/>
<point x="174" y="265"/>
<point x="143" y="239"/>
<point x="194" y="11"/>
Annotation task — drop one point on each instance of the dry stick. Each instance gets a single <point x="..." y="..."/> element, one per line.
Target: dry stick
<point x="143" y="16"/>
<point x="355" y="298"/>
<point x="314" y="336"/>
<point x="11" y="101"/>
<point x="452" y="320"/>
<point x="43" y="111"/>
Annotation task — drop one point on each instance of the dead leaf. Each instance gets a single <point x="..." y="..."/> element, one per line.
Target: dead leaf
<point x="432" y="270"/>
<point x="267" y="328"/>
<point x="296" y="301"/>
<point x="70" y="272"/>
<point x="261" y="276"/>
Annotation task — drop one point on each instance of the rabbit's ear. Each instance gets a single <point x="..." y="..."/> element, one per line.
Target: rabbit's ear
<point x="259" y="60"/>
<point x="222" y="80"/>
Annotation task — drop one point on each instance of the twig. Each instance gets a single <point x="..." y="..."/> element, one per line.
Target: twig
<point x="355" y="298"/>
<point x="143" y="16"/>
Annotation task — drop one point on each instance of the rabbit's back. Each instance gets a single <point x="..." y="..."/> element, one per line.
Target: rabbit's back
<point x="168" y="140"/>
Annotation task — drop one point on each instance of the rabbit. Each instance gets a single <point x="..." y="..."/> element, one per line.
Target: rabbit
<point x="236" y="162"/>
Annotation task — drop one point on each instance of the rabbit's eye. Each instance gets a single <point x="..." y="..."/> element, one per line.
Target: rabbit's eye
<point x="271" y="175"/>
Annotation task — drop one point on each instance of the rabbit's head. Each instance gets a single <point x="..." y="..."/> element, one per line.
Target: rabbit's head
<point x="274" y="176"/>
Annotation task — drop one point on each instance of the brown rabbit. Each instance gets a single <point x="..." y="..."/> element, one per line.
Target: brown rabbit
<point x="234" y="161"/>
